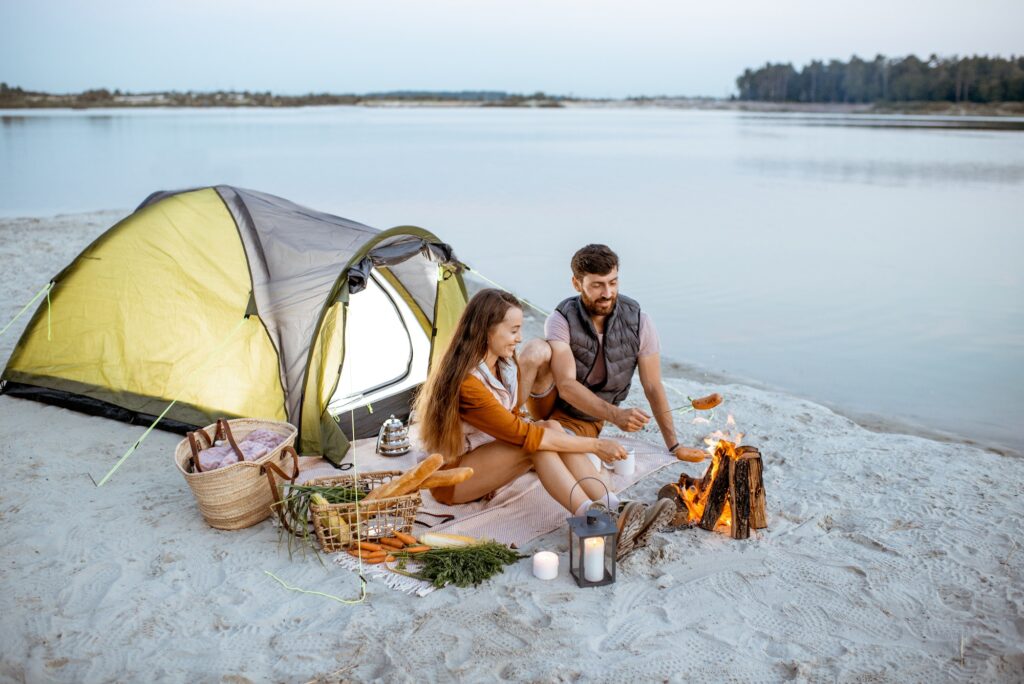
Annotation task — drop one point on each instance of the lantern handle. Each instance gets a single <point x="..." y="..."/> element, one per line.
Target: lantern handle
<point x="608" y="494"/>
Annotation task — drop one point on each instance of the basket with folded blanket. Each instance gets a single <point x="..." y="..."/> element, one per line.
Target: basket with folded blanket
<point x="232" y="473"/>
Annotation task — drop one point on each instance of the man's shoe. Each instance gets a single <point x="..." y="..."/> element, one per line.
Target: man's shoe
<point x="630" y="520"/>
<point x="658" y="517"/>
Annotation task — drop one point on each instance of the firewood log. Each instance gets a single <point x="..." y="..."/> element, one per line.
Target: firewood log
<point x="718" y="494"/>
<point x="758" y="504"/>
<point x="739" y="497"/>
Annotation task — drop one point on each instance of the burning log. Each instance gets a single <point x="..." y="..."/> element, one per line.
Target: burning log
<point x="718" y="494"/>
<point x="731" y="492"/>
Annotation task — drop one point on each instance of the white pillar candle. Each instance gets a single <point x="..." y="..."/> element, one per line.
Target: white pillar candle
<point x="545" y="565"/>
<point x="593" y="559"/>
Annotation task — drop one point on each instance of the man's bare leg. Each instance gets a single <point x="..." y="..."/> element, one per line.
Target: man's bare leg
<point x="535" y="370"/>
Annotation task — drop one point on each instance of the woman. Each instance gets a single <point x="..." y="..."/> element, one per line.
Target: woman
<point x="467" y="412"/>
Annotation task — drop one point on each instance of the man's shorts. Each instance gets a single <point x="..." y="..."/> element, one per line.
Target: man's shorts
<point x="543" y="408"/>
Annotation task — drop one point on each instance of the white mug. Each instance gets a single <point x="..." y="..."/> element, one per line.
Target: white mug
<point x="626" y="466"/>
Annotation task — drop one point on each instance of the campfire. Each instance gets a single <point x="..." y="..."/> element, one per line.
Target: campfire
<point x="730" y="495"/>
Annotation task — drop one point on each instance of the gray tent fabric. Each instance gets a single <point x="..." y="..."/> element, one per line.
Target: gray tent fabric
<point x="295" y="256"/>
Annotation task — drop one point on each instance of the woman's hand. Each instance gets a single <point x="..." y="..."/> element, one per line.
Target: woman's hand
<point x="609" y="451"/>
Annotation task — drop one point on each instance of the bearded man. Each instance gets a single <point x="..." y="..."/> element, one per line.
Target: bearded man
<point x="595" y="341"/>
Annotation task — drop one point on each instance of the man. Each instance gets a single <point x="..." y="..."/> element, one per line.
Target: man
<point x="595" y="342"/>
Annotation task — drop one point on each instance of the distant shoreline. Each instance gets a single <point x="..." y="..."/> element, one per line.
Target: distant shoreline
<point x="23" y="100"/>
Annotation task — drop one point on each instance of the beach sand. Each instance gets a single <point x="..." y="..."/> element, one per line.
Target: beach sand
<point x="888" y="557"/>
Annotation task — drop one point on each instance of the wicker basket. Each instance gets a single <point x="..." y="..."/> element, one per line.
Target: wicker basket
<point x="239" y="495"/>
<point x="336" y="524"/>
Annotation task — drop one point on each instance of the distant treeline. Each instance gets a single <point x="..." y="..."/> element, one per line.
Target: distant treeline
<point x="937" y="79"/>
<point x="16" y="97"/>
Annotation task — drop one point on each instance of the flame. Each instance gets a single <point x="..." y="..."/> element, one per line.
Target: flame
<point x="695" y="498"/>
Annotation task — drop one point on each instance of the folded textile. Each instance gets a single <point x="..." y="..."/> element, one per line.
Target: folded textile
<point x="256" y="444"/>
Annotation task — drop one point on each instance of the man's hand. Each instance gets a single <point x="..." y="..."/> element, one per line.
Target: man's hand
<point x="630" y="419"/>
<point x="609" y="451"/>
<point x="689" y="454"/>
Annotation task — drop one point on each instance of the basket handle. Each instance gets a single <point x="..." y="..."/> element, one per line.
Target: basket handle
<point x="224" y="432"/>
<point x="196" y="447"/>
<point x="271" y="468"/>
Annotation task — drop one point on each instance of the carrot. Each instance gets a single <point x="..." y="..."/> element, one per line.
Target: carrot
<point x="369" y="546"/>
<point x="416" y="549"/>
<point x="374" y="561"/>
<point x="389" y="559"/>
<point x="365" y="555"/>
<point x="707" y="403"/>
<point x="405" y="538"/>
<point x="393" y="543"/>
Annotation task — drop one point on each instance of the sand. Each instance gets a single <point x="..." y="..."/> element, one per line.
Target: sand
<point x="888" y="557"/>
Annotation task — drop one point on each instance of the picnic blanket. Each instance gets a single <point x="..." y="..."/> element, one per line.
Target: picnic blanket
<point x="518" y="513"/>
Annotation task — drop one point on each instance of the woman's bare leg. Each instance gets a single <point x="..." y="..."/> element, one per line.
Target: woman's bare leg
<point x="494" y="465"/>
<point x="498" y="463"/>
<point x="581" y="466"/>
<point x="558" y="481"/>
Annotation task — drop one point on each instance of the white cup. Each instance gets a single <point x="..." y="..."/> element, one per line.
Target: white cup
<point x="627" y="466"/>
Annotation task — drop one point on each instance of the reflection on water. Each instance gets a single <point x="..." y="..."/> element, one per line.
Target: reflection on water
<point x="980" y="123"/>
<point x="886" y="171"/>
<point x="875" y="268"/>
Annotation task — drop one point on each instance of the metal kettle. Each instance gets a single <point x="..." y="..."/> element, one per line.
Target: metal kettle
<point x="393" y="439"/>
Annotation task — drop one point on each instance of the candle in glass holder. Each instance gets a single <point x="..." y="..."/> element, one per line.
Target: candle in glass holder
<point x="545" y="565"/>
<point x="593" y="559"/>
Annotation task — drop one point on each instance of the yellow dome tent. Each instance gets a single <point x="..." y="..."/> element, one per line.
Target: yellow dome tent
<point x="237" y="303"/>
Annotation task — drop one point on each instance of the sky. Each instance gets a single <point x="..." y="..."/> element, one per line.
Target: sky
<point x="592" y="48"/>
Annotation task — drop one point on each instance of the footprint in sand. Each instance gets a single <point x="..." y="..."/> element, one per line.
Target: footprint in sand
<point x="88" y="589"/>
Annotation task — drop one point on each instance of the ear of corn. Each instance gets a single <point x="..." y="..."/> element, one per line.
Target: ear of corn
<point x="439" y="540"/>
<point x="332" y="521"/>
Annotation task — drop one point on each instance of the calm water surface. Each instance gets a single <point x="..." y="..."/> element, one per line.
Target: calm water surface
<point x="874" y="269"/>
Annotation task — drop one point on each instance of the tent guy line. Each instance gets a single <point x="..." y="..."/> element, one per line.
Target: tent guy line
<point x="45" y="290"/>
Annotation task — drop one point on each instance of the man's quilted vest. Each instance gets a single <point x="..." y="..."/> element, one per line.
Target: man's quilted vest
<point x="621" y="349"/>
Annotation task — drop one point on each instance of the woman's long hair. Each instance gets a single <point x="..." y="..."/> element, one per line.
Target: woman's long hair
<point x="437" y="406"/>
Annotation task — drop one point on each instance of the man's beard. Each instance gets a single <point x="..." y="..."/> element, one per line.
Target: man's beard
<point x="598" y="307"/>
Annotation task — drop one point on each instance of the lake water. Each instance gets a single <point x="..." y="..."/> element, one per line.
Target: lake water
<point x="874" y="269"/>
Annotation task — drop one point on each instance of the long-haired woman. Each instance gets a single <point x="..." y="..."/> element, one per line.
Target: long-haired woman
<point x="468" y="413"/>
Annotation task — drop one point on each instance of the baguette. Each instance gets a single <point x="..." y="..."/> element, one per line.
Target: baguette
<point x="447" y="478"/>
<point x="409" y="481"/>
